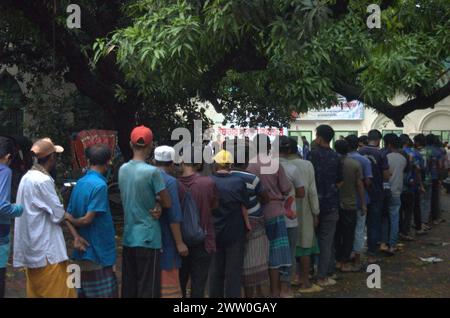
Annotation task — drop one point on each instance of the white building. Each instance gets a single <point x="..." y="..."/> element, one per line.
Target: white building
<point x="354" y="118"/>
<point x="436" y="121"/>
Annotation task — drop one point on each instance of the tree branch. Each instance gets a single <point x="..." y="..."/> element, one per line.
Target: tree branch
<point x="99" y="86"/>
<point x="395" y="113"/>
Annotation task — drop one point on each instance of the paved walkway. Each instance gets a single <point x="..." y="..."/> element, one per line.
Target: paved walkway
<point x="403" y="275"/>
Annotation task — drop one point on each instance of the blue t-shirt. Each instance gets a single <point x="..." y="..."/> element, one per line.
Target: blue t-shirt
<point x="434" y="157"/>
<point x="379" y="163"/>
<point x="305" y="152"/>
<point x="8" y="211"/>
<point x="5" y="195"/>
<point x="254" y="190"/>
<point x="228" y="219"/>
<point x="170" y="258"/>
<point x="91" y="195"/>
<point x="139" y="184"/>
<point x="411" y="177"/>
<point x="328" y="171"/>
<point x="367" y="173"/>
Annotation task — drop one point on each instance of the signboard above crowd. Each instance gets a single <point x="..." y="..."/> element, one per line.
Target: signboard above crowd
<point x="353" y="110"/>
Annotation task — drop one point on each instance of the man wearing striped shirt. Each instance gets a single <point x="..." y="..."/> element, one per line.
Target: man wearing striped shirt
<point x="255" y="274"/>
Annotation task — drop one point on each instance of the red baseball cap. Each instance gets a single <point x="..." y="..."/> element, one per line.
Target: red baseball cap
<point x="141" y="136"/>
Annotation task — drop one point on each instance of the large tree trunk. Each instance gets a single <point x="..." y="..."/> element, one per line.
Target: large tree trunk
<point x="98" y="84"/>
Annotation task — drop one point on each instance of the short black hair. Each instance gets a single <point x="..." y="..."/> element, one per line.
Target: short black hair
<point x="392" y="140"/>
<point x="325" y="132"/>
<point x="364" y="140"/>
<point x="374" y="135"/>
<point x="419" y="139"/>
<point x="199" y="165"/>
<point x="405" y="140"/>
<point x="259" y="139"/>
<point x="352" y="141"/>
<point x="294" y="145"/>
<point x="341" y="146"/>
<point x="163" y="163"/>
<point x="431" y="139"/>
<point x="285" y="144"/>
<point x="6" y="147"/>
<point x="239" y="146"/>
<point x="42" y="161"/>
<point x="98" y="155"/>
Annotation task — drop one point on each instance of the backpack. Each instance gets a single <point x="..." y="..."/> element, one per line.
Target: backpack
<point x="191" y="229"/>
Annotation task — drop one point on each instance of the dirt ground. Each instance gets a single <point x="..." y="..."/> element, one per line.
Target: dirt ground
<point x="402" y="275"/>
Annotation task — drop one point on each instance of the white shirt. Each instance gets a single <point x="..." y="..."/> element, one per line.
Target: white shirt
<point x="294" y="176"/>
<point x="38" y="236"/>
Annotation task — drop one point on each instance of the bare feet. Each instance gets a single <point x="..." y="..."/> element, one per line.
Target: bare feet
<point x="324" y="282"/>
<point x="383" y="247"/>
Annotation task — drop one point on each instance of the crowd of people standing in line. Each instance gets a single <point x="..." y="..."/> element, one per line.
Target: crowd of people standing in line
<point x="238" y="231"/>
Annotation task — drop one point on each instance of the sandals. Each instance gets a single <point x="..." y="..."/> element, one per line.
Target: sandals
<point x="421" y="232"/>
<point x="438" y="221"/>
<point x="313" y="289"/>
<point x="407" y="238"/>
<point x="327" y="282"/>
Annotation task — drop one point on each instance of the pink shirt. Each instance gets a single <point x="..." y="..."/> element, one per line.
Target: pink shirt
<point x="276" y="184"/>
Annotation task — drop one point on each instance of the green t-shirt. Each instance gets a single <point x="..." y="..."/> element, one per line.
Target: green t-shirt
<point x="352" y="173"/>
<point x="139" y="185"/>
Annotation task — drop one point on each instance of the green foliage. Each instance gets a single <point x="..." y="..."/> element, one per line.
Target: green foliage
<point x="255" y="60"/>
<point x="262" y="59"/>
<point x="11" y="99"/>
<point x="56" y="110"/>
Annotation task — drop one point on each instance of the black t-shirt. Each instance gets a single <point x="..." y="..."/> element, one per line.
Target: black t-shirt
<point x="328" y="171"/>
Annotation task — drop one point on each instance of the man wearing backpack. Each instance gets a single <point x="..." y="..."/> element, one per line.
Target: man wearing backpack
<point x="172" y="242"/>
<point x="204" y="193"/>
<point x="381" y="174"/>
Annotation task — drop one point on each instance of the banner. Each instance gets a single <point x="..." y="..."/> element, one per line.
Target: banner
<point x="353" y="110"/>
<point x="220" y="133"/>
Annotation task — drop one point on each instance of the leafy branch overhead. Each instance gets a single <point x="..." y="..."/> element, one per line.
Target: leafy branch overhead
<point x="260" y="60"/>
<point x="150" y="61"/>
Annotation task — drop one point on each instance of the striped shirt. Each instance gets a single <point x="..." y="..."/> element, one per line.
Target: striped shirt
<point x="254" y="189"/>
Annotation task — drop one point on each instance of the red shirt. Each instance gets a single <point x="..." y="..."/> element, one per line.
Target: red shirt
<point x="205" y="194"/>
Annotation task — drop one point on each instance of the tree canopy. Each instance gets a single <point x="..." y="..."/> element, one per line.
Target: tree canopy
<point x="260" y="60"/>
<point x="35" y="38"/>
<point x="256" y="61"/>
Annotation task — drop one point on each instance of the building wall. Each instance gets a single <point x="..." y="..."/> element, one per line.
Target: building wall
<point x="28" y="120"/>
<point x="436" y="120"/>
